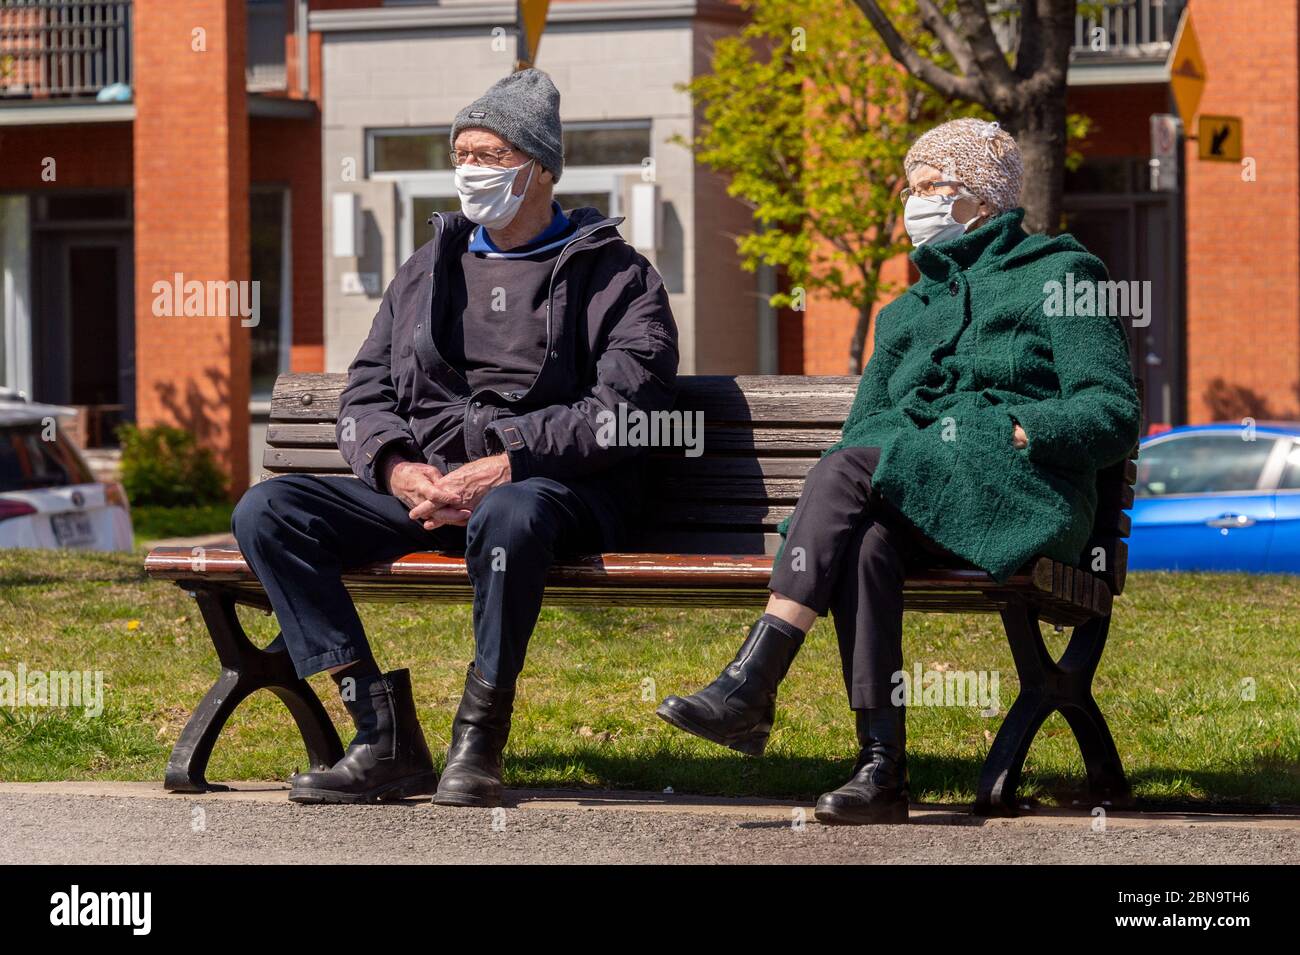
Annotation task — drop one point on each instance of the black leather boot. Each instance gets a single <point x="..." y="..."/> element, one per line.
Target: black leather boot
<point x="472" y="776"/>
<point x="737" y="708"/>
<point x="388" y="759"/>
<point x="877" y="791"/>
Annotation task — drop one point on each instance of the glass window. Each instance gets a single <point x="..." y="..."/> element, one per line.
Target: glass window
<point x="1201" y="464"/>
<point x="81" y="206"/>
<point x="410" y="151"/>
<point x="1291" y="474"/>
<point x="28" y="462"/>
<point x="425" y="150"/>
<point x="579" y="200"/>
<point x="266" y="267"/>
<point x="610" y="146"/>
<point x="421" y="208"/>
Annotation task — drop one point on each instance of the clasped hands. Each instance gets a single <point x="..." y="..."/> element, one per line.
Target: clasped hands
<point x="435" y="498"/>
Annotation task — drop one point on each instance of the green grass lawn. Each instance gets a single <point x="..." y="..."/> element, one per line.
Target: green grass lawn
<point x="154" y="523"/>
<point x="1171" y="683"/>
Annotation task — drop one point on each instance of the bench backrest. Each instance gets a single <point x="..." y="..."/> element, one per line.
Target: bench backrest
<point x="761" y="436"/>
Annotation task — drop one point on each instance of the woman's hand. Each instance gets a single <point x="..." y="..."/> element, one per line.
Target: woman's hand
<point x="1019" y="439"/>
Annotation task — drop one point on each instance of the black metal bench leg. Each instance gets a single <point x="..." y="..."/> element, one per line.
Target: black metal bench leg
<point x="245" y="669"/>
<point x="1107" y="783"/>
<point x="1000" y="776"/>
<point x="188" y="763"/>
<point x="1046" y="686"/>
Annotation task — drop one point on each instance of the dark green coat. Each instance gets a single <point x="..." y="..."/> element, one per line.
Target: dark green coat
<point x="963" y="355"/>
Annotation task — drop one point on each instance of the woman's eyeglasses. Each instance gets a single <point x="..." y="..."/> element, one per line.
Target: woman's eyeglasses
<point x="927" y="189"/>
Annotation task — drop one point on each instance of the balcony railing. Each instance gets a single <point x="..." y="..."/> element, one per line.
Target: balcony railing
<point x="1121" y="29"/>
<point x="61" y="48"/>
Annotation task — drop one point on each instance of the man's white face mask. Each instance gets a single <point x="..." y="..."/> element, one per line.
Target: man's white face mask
<point x="929" y="219"/>
<point x="485" y="193"/>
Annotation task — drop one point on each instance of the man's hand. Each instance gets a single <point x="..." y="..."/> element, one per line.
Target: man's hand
<point x="1018" y="438"/>
<point x="455" y="495"/>
<point x="411" y="482"/>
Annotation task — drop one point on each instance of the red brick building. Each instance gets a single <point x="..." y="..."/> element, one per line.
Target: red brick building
<point x="1222" y="252"/>
<point x="152" y="142"/>
<point x="147" y="144"/>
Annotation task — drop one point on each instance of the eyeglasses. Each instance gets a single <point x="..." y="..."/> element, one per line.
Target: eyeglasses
<point x="927" y="189"/>
<point x="484" y="157"/>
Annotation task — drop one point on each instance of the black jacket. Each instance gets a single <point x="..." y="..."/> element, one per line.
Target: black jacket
<point x="611" y="339"/>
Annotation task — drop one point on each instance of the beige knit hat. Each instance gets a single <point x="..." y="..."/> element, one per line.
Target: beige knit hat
<point x="982" y="155"/>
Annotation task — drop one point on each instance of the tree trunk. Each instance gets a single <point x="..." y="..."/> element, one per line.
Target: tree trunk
<point x="1040" y="131"/>
<point x="859" y="342"/>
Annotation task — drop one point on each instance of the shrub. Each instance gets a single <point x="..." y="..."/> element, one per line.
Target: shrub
<point x="165" y="466"/>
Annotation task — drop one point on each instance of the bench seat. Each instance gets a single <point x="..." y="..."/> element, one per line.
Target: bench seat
<point x="1064" y="595"/>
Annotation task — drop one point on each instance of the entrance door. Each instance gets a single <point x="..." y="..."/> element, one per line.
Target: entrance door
<point x="1136" y="237"/>
<point x="83" y="350"/>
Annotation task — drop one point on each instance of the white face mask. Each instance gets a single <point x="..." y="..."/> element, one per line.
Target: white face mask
<point x="929" y="219"/>
<point x="485" y="193"/>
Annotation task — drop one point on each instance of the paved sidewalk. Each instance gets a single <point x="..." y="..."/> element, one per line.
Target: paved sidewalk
<point x="255" y="823"/>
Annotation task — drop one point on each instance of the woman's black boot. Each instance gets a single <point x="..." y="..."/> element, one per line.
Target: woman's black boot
<point x="877" y="791"/>
<point x="388" y="759"/>
<point x="472" y="776"/>
<point x="737" y="708"/>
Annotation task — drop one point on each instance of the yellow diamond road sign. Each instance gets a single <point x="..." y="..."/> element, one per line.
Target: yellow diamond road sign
<point x="532" y="21"/>
<point x="1187" y="70"/>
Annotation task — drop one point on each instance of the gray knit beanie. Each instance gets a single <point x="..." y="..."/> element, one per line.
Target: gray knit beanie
<point x="524" y="110"/>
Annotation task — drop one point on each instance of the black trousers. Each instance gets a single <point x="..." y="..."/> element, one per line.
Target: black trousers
<point x="847" y="551"/>
<point x="300" y="532"/>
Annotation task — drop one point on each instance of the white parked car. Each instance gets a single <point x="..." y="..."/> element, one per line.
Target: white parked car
<point x="48" y="496"/>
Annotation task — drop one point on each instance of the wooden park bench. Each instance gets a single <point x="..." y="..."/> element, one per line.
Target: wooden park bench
<point x="711" y="532"/>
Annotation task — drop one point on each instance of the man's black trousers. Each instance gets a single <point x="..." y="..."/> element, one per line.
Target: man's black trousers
<point x="300" y="532"/>
<point x="847" y="551"/>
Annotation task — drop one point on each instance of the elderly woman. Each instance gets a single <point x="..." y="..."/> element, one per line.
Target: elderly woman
<point x="976" y="434"/>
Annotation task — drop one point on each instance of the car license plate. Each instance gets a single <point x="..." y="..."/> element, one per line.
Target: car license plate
<point x="73" y="529"/>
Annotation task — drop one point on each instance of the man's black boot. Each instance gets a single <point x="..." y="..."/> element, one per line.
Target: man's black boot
<point x="877" y="792"/>
<point x="388" y="759"/>
<point x="472" y="776"/>
<point x="737" y="709"/>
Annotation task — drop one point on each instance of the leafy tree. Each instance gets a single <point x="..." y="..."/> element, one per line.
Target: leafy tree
<point x="1025" y="89"/>
<point x="810" y="118"/>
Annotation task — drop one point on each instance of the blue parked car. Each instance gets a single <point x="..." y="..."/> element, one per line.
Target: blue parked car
<point x="1219" y="497"/>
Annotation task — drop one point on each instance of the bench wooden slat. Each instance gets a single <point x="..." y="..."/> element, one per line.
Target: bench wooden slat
<point x="733" y="437"/>
<point x="793" y="398"/>
<point x="718" y="440"/>
<point x="635" y="579"/>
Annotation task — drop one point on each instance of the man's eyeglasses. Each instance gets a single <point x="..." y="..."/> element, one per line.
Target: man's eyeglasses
<point x="484" y="157"/>
<point x="927" y="189"/>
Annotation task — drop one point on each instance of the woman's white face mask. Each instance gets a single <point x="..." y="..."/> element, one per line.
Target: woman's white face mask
<point x="929" y="219"/>
<point x="486" y="193"/>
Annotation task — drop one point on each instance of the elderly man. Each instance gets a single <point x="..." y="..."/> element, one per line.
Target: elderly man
<point x="470" y="417"/>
